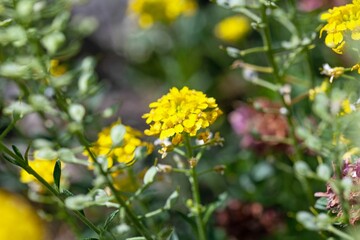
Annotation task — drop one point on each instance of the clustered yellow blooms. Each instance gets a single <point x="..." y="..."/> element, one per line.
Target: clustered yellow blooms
<point x="19" y="220"/>
<point x="181" y="111"/>
<point x="165" y="11"/>
<point x="232" y="29"/>
<point x="44" y="167"/>
<point x="125" y="153"/>
<point x="341" y="21"/>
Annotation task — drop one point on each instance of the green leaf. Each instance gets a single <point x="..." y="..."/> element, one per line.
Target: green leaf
<point x="168" y="234"/>
<point x="66" y="193"/>
<point x="136" y="238"/>
<point x="117" y="134"/>
<point x="110" y="218"/>
<point x="171" y="200"/>
<point x="215" y="205"/>
<point x="323" y="171"/>
<point x="150" y="175"/>
<point x="9" y="159"/>
<point x="26" y="155"/>
<point x="57" y="173"/>
<point x="78" y="202"/>
<point x="17" y="151"/>
<point x="321" y="203"/>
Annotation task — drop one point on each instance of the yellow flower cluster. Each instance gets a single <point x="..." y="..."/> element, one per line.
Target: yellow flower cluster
<point x="232" y="29"/>
<point x="44" y="167"/>
<point x="341" y="21"/>
<point x="123" y="153"/>
<point x="151" y="11"/>
<point x="181" y="111"/>
<point x="18" y="219"/>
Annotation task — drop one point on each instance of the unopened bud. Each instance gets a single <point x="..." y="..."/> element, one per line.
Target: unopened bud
<point x="164" y="168"/>
<point x="192" y="162"/>
<point x="220" y="169"/>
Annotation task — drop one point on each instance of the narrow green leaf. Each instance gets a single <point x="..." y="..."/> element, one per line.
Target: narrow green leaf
<point x="17" y="151"/>
<point x="150" y="175"/>
<point x="117" y="134"/>
<point x="67" y="193"/>
<point x="171" y="200"/>
<point x="57" y="173"/>
<point x="136" y="238"/>
<point x="26" y="155"/>
<point x="110" y="218"/>
<point x="9" y="159"/>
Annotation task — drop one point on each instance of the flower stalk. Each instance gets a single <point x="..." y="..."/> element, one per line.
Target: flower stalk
<point x="193" y="178"/>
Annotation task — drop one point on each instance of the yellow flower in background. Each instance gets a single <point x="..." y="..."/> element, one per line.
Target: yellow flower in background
<point x="123" y="153"/>
<point x="233" y="28"/>
<point x="319" y="89"/>
<point x="19" y="220"/>
<point x="44" y="167"/>
<point x="127" y="181"/>
<point x="341" y="21"/>
<point x="56" y="68"/>
<point x="356" y="67"/>
<point x="346" y="107"/>
<point x="165" y="11"/>
<point x="181" y="111"/>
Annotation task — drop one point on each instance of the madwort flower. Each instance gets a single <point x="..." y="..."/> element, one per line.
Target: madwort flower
<point x="151" y="11"/>
<point x="341" y="22"/>
<point x="181" y="111"/>
<point x="117" y="153"/>
<point x="18" y="219"/>
<point x="232" y="29"/>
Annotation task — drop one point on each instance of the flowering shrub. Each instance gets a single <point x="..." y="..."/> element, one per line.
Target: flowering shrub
<point x="189" y="120"/>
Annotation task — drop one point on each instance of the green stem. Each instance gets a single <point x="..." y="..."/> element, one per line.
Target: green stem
<point x="193" y="178"/>
<point x="62" y="104"/>
<point x="339" y="233"/>
<point x="8" y="129"/>
<point x="51" y="189"/>
<point x="198" y="209"/>
<point x="308" y="59"/>
<point x="270" y="56"/>
<point x="132" y="217"/>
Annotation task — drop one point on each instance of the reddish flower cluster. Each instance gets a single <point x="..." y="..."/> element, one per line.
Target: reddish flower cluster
<point x="351" y="170"/>
<point x="260" y="126"/>
<point x="248" y="221"/>
<point x="311" y="5"/>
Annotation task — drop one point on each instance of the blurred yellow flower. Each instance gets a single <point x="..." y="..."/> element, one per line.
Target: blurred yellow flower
<point x="128" y="181"/>
<point x="356" y="67"/>
<point x="346" y="107"/>
<point x="56" y="68"/>
<point x="123" y="153"/>
<point x="19" y="220"/>
<point x="165" y="11"/>
<point x="341" y="21"/>
<point x="44" y="167"/>
<point x="181" y="111"/>
<point x="232" y="29"/>
<point x="319" y="89"/>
